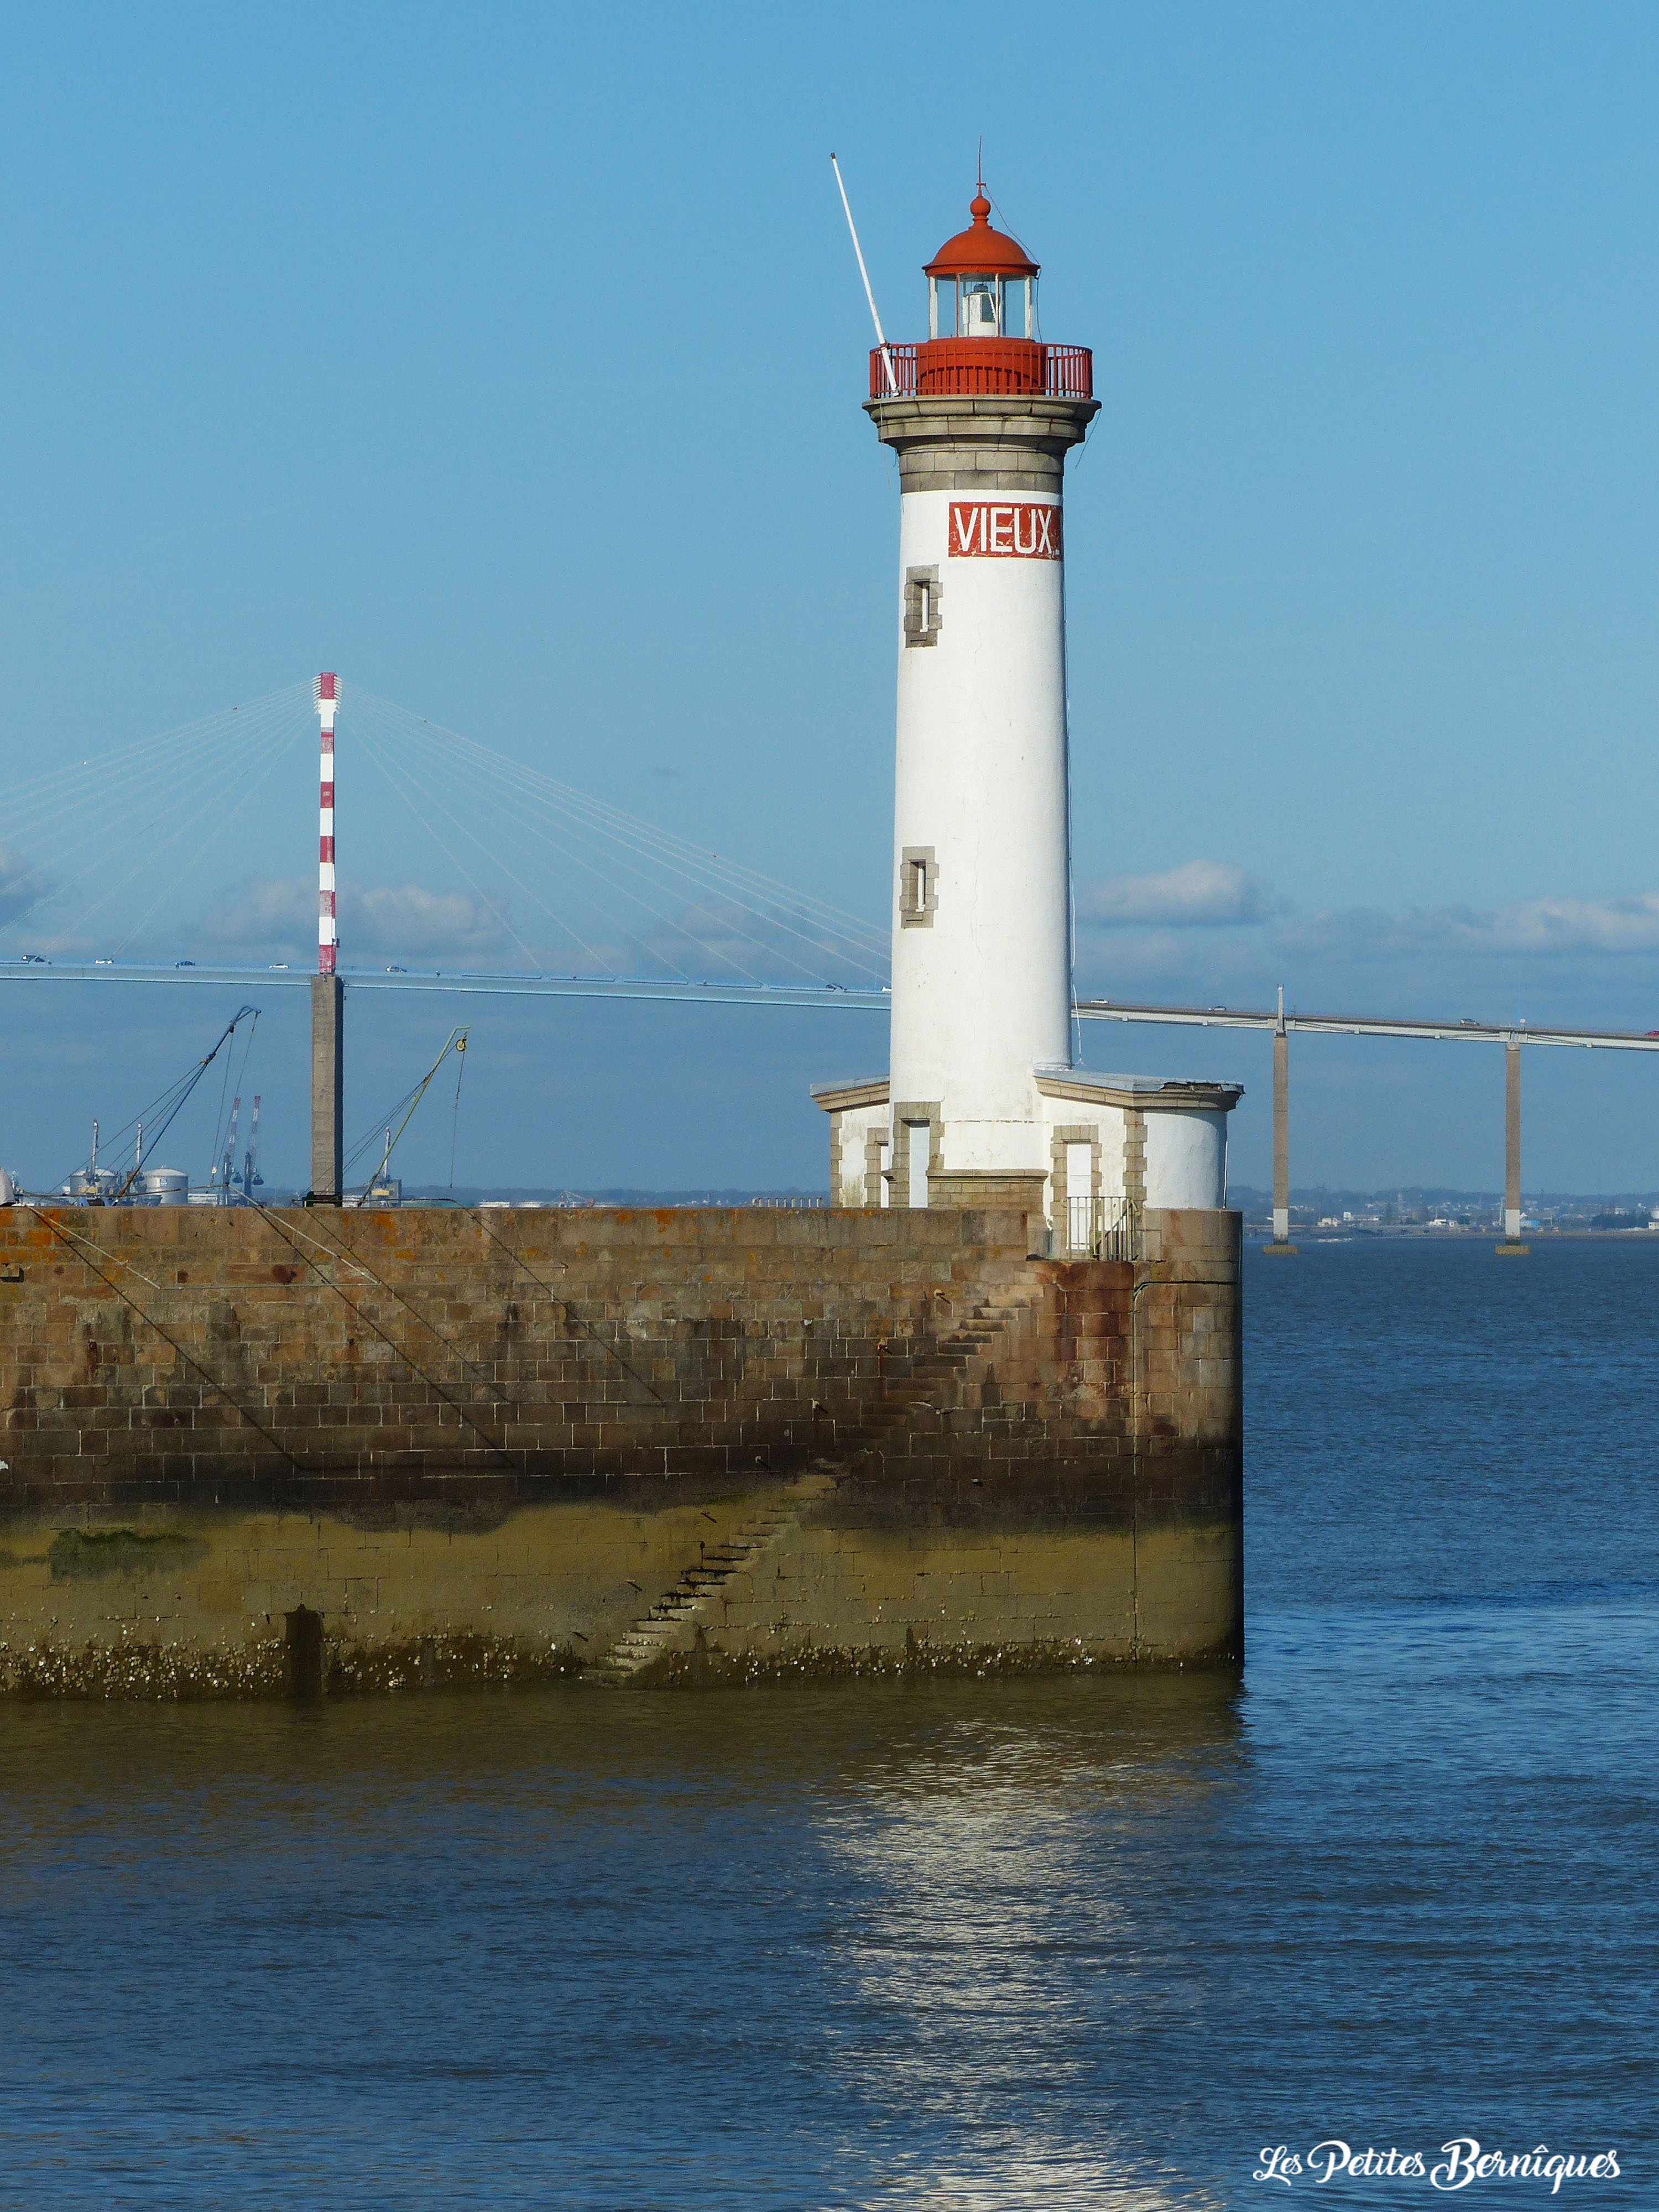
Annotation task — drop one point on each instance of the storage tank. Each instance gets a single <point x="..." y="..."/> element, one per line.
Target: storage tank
<point x="163" y="1186"/>
<point x="89" y="1186"/>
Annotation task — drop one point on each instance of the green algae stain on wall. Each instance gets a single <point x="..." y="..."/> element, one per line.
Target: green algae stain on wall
<point x="88" y="1554"/>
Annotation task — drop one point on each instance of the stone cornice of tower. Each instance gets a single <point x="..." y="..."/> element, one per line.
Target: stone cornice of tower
<point x="982" y="444"/>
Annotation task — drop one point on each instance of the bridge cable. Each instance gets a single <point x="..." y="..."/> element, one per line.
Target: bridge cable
<point x="555" y="917"/>
<point x="108" y="803"/>
<point x="760" y="894"/>
<point x="700" y="863"/>
<point x="506" y="784"/>
<point x="516" y="823"/>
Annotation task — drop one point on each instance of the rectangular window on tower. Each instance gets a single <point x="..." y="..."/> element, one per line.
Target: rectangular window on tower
<point x="918" y="887"/>
<point x="921" y="613"/>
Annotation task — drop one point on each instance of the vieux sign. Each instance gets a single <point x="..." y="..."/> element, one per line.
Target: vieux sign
<point x="1019" y="529"/>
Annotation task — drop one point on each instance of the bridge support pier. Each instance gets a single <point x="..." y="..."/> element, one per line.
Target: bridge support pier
<point x="1512" y="1248"/>
<point x="327" y="1067"/>
<point x="1281" y="1245"/>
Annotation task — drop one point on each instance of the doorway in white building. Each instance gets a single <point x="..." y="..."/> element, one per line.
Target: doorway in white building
<point x="921" y="1150"/>
<point x="1079" y="1197"/>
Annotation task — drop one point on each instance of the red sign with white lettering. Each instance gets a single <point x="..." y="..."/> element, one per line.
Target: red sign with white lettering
<point x="998" y="530"/>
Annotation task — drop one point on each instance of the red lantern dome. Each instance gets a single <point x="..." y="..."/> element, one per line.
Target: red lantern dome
<point x="981" y="249"/>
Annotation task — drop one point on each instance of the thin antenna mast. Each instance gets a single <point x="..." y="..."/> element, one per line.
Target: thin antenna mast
<point x="881" y="335"/>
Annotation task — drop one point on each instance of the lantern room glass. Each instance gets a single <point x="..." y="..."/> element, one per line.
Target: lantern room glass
<point x="982" y="307"/>
<point x="979" y="315"/>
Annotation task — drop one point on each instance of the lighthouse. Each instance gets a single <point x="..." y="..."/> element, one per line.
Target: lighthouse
<point x="982" y="1104"/>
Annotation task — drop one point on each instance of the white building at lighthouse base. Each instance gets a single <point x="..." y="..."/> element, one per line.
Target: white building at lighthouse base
<point x="1105" y="1146"/>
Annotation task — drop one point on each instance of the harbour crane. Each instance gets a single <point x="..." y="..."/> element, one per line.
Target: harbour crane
<point x="250" y="1173"/>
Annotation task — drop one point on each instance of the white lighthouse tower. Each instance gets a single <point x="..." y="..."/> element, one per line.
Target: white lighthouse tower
<point x="982" y="1105"/>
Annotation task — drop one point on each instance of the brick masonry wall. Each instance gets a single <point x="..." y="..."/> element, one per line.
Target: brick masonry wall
<point x="477" y="1443"/>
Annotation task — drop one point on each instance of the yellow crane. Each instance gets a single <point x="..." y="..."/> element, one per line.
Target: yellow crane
<point x="455" y="1043"/>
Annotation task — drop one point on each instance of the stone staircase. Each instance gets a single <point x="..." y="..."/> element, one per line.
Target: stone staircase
<point x="672" y="1622"/>
<point x="944" y="1363"/>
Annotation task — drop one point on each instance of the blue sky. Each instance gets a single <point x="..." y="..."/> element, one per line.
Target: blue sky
<point x="509" y="361"/>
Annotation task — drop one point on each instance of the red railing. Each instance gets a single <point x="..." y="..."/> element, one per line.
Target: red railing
<point x="981" y="367"/>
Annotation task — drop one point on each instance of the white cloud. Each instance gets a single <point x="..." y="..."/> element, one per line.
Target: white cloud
<point x="261" y="916"/>
<point x="280" y="915"/>
<point x="276" y="918"/>
<point x="22" y="885"/>
<point x="1217" y="895"/>
<point x="403" y="918"/>
<point x="1197" y="895"/>
<point x="1536" y="925"/>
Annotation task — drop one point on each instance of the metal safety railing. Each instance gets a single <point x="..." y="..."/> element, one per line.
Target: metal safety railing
<point x="1101" y="1229"/>
<point x="983" y="367"/>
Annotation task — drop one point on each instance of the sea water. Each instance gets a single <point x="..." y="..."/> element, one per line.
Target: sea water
<point x="1111" y="1941"/>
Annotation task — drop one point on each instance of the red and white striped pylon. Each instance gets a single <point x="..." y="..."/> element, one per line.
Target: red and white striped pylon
<point x="326" y="690"/>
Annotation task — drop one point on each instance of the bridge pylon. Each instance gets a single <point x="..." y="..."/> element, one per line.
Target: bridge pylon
<point x="1281" y="1244"/>
<point x="328" y="992"/>
<point x="1512" y="1248"/>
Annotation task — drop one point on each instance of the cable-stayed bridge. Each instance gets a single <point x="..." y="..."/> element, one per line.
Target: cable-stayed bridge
<point x="179" y="859"/>
<point x="182" y="858"/>
<point x="161" y="861"/>
<point x="658" y="990"/>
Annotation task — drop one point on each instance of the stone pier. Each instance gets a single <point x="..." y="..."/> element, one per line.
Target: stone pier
<point x="644" y="1446"/>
